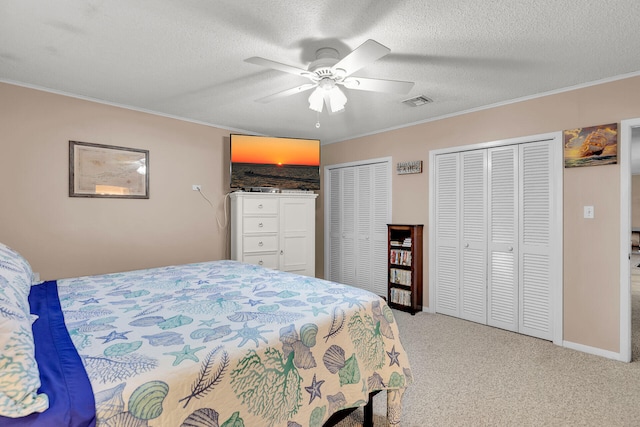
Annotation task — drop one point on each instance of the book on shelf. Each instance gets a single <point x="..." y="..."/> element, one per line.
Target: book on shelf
<point x="406" y="243"/>
<point x="400" y="296"/>
<point x="400" y="257"/>
<point x="400" y="277"/>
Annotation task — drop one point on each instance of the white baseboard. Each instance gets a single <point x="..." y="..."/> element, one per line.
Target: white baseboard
<point x="593" y="350"/>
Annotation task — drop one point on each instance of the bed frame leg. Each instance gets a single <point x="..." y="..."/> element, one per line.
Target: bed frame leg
<point x="368" y="412"/>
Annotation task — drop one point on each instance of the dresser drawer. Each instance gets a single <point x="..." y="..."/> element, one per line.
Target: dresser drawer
<point x="259" y="243"/>
<point x="260" y="224"/>
<point x="260" y="206"/>
<point x="265" y="260"/>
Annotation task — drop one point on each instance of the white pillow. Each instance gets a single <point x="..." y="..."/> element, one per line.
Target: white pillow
<point x="19" y="375"/>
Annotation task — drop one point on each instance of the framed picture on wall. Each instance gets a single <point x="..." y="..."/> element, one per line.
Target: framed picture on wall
<point x="591" y="146"/>
<point x="97" y="170"/>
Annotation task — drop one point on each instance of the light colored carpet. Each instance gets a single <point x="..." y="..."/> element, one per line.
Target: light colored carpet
<point x="468" y="374"/>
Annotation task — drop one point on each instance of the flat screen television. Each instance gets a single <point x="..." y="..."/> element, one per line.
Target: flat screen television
<point x="275" y="162"/>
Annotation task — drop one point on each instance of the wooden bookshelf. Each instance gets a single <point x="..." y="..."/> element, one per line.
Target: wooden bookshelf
<point x="405" y="267"/>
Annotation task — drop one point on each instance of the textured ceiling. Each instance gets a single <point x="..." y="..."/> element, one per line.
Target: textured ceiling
<point x="186" y="58"/>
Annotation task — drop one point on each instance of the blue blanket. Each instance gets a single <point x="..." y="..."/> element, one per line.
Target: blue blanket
<point x="62" y="374"/>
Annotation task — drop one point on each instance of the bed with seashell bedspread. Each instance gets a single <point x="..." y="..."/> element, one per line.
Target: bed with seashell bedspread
<point x="230" y="344"/>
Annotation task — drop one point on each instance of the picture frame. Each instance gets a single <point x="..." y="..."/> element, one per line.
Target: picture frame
<point x="97" y="170"/>
<point x="404" y="168"/>
<point x="591" y="146"/>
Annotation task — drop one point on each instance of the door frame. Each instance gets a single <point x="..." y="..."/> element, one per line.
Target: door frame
<point x="557" y="176"/>
<point x="624" y="158"/>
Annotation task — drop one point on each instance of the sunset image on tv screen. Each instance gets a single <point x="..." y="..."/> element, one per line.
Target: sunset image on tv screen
<point x="275" y="151"/>
<point x="286" y="163"/>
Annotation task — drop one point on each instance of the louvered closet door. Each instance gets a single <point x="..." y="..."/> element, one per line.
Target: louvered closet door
<point x="372" y="190"/>
<point x="342" y="222"/>
<point x="502" y="298"/>
<point x="447" y="230"/>
<point x="535" y="240"/>
<point x="358" y="216"/>
<point x="381" y="180"/>
<point x="473" y="266"/>
<point x="335" y="226"/>
<point x="348" y="242"/>
<point x="364" y="190"/>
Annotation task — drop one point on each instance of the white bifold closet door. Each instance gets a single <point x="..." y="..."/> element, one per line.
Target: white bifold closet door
<point x="342" y="233"/>
<point x="358" y="217"/>
<point x="536" y="241"/>
<point x="493" y="210"/>
<point x="502" y="278"/>
<point x="447" y="230"/>
<point x="473" y="208"/>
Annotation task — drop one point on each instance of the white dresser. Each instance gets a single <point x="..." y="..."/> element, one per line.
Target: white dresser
<point x="275" y="230"/>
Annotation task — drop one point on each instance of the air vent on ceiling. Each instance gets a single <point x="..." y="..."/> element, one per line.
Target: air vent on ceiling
<point x="417" y="101"/>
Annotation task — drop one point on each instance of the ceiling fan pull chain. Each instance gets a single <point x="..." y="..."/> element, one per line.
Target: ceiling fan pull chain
<point x="317" y="120"/>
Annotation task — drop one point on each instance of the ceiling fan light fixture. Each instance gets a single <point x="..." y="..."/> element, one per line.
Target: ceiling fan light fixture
<point x="337" y="99"/>
<point x="316" y="100"/>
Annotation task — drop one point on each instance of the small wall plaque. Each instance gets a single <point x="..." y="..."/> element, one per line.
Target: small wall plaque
<point x="403" y="168"/>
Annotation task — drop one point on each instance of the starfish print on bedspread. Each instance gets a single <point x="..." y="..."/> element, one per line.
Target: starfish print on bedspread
<point x="353" y="302"/>
<point x="247" y="333"/>
<point x="208" y="322"/>
<point x="314" y="389"/>
<point x="393" y="355"/>
<point x="185" y="353"/>
<point x="317" y="310"/>
<point x="114" y="335"/>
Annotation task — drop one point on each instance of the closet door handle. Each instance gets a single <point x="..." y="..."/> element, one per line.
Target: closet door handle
<point x="466" y="245"/>
<point x="260" y="262"/>
<point x="260" y="225"/>
<point x="510" y="248"/>
<point x="281" y="252"/>
<point x="260" y="244"/>
<point x="260" y="206"/>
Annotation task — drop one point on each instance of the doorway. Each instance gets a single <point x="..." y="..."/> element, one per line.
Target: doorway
<point x="629" y="158"/>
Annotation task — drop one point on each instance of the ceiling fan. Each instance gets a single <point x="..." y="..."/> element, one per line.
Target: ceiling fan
<point x="328" y="72"/>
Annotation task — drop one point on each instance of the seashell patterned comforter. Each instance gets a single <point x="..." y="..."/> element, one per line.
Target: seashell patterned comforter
<point x="230" y="344"/>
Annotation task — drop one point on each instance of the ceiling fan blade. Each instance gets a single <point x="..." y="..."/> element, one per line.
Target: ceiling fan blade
<point x="361" y="56"/>
<point x="287" y="92"/>
<point x="278" y="66"/>
<point x="378" y="85"/>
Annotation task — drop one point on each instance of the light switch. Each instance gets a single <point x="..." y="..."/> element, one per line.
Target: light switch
<point x="588" y="212"/>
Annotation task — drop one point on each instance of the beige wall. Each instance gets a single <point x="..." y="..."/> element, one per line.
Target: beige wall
<point x="63" y="236"/>
<point x="66" y="237"/>
<point x="591" y="247"/>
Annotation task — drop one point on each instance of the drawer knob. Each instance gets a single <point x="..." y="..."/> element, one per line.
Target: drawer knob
<point x="260" y="262"/>
<point x="260" y="225"/>
<point x="260" y="243"/>
<point x="260" y="206"/>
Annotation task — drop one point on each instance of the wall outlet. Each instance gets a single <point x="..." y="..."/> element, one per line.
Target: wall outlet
<point x="196" y="187"/>
<point x="589" y="212"/>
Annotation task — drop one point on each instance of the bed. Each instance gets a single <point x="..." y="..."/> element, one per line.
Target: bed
<point x="208" y="344"/>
